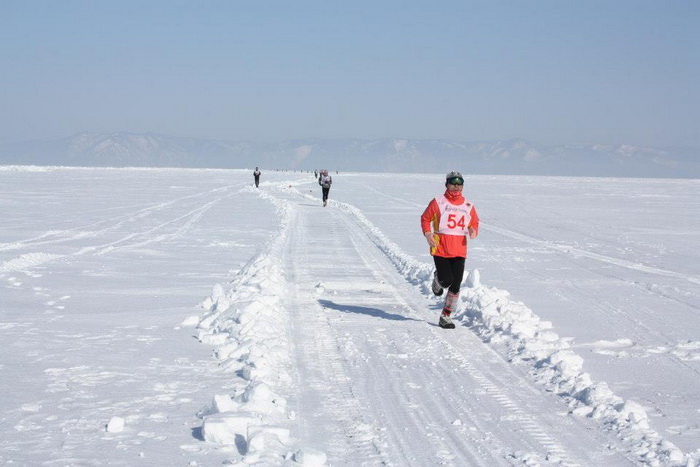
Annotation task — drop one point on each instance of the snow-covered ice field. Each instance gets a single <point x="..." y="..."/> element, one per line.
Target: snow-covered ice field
<point x="183" y="317"/>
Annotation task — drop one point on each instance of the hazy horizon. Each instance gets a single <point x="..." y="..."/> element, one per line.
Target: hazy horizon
<point x="329" y="138"/>
<point x="545" y="71"/>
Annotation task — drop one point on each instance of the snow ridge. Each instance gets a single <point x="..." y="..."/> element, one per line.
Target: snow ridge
<point x="248" y="324"/>
<point x="528" y="340"/>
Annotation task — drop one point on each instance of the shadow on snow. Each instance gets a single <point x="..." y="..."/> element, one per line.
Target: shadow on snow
<point x="363" y="310"/>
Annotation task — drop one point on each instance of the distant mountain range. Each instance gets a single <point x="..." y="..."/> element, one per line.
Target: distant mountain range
<point x="512" y="157"/>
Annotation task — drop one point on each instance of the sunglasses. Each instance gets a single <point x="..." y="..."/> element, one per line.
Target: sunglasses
<point x="456" y="181"/>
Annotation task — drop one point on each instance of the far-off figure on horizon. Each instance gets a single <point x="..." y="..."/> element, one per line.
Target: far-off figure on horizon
<point x="256" y="176"/>
<point x="325" y="181"/>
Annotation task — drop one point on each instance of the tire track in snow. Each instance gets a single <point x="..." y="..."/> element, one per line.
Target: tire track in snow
<point x="139" y="239"/>
<point x="145" y="237"/>
<point x="180" y="223"/>
<point x="595" y="256"/>
<point x="346" y="433"/>
<point x="112" y="223"/>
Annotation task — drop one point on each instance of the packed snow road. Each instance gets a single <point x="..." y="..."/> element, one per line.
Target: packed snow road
<point x="390" y="385"/>
<point x="372" y="379"/>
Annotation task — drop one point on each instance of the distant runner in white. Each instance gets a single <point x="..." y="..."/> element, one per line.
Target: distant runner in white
<point x="325" y="181"/>
<point x="446" y="223"/>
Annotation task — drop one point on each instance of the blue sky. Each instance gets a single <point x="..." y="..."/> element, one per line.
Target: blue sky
<point x="554" y="72"/>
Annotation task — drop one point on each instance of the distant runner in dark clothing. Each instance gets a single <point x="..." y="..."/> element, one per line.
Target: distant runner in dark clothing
<point x="256" y="175"/>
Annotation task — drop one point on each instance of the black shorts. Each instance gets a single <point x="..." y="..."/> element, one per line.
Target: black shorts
<point x="450" y="272"/>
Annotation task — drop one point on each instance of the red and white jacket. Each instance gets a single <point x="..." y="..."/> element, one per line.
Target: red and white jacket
<point x="450" y="216"/>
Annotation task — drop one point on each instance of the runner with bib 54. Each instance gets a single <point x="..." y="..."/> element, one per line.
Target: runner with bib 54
<point x="447" y="222"/>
